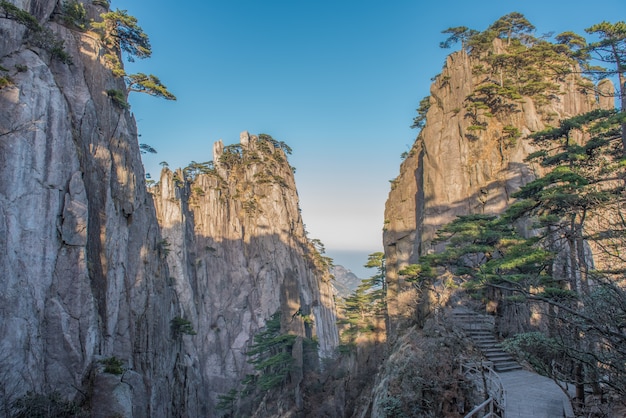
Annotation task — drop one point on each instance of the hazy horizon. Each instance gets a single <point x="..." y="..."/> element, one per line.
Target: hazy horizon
<point x="338" y="82"/>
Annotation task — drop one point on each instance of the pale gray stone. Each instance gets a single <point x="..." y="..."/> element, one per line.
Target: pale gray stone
<point x="448" y="174"/>
<point x="74" y="226"/>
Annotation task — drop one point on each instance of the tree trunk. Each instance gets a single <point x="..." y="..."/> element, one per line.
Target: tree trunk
<point x="580" y="386"/>
<point x="621" y="90"/>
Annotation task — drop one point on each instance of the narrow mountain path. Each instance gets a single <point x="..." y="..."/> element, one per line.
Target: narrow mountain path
<point x="529" y="394"/>
<point x="526" y="394"/>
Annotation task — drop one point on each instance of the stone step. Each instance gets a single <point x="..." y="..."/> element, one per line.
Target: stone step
<point x="487" y="346"/>
<point x="497" y="354"/>
<point x="483" y="338"/>
<point x="469" y="319"/>
<point x="485" y="343"/>
<point x="480" y="329"/>
<point x="501" y="359"/>
<point x="481" y="333"/>
<point x="475" y="324"/>
<point x="496" y="348"/>
<point x="471" y="322"/>
<point x="507" y="367"/>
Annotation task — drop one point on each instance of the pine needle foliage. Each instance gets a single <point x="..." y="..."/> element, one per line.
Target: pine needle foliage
<point x="149" y="84"/>
<point x="366" y="306"/>
<point x="577" y="205"/>
<point x="39" y="36"/>
<point x="270" y="354"/>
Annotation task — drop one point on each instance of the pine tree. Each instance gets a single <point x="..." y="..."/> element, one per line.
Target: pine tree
<point x="576" y="207"/>
<point x="363" y="309"/>
<point x="611" y="49"/>
<point x="121" y="32"/>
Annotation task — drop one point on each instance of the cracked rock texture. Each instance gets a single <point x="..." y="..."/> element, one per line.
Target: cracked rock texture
<point x="84" y="274"/>
<point x="448" y="173"/>
<point x="238" y="253"/>
<point x="80" y="279"/>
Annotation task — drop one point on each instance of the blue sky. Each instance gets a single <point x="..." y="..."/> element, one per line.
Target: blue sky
<point x="337" y="80"/>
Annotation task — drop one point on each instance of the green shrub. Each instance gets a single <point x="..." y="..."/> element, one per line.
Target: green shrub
<point x="74" y="14"/>
<point x="5" y="81"/>
<point x="511" y="134"/>
<point x="118" y="98"/>
<point x="271" y="355"/>
<point x="113" y="365"/>
<point x="227" y="401"/>
<point x="13" y="12"/>
<point x="58" y="52"/>
<point x="52" y="405"/>
<point x="102" y="3"/>
<point x="39" y="36"/>
<point x="181" y="326"/>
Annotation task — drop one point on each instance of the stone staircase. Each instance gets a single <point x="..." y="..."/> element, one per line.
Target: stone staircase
<point x="481" y="329"/>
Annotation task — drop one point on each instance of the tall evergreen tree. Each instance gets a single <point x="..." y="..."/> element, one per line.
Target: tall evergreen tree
<point x="363" y="309"/>
<point x="577" y="207"/>
<point x="611" y="50"/>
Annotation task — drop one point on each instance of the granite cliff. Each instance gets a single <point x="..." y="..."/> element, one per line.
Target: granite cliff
<point x="346" y="281"/>
<point x="469" y="158"/>
<point x="103" y="282"/>
<point x="462" y="164"/>
<point x="81" y="281"/>
<point x="238" y="253"/>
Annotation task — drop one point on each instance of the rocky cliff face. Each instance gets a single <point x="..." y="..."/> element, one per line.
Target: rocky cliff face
<point x="81" y="277"/>
<point x="346" y="281"/>
<point x="238" y="253"/>
<point x="462" y="164"/>
<point x="87" y="297"/>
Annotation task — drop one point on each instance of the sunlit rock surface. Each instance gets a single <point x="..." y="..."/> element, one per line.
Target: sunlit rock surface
<point x="448" y="173"/>
<point x="238" y="253"/>
<point x="84" y="275"/>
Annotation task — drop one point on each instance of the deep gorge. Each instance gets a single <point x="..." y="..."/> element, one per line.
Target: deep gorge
<point x="202" y="296"/>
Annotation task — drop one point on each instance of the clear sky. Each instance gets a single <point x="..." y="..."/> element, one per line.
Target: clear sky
<point x="337" y="80"/>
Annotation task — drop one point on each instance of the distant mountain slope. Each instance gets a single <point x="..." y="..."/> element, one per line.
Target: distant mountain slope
<point x="345" y="281"/>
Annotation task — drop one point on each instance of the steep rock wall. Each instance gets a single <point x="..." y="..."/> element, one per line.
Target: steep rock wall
<point x="238" y="253"/>
<point x="81" y="279"/>
<point x="84" y="263"/>
<point x="450" y="173"/>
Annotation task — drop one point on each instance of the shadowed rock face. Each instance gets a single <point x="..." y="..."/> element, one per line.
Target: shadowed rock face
<point x="84" y="272"/>
<point x="450" y="173"/>
<point x="81" y="280"/>
<point x="238" y="254"/>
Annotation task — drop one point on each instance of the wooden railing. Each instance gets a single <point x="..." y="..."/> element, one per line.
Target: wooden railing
<point x="488" y="408"/>
<point x="484" y="375"/>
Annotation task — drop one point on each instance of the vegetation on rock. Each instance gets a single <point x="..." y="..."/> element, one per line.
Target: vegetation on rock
<point x="181" y="326"/>
<point x="39" y="36"/>
<point x="74" y="14"/>
<point x="516" y="65"/>
<point x="364" y="309"/>
<point x="272" y="359"/>
<point x="113" y="365"/>
<point x="36" y="405"/>
<point x="552" y="266"/>
<point x="576" y="210"/>
<point x="120" y="32"/>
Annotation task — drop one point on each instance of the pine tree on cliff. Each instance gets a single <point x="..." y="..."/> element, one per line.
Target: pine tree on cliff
<point x="578" y="203"/>
<point x="458" y="34"/>
<point x="522" y="66"/>
<point x="611" y="49"/>
<point x="120" y="32"/>
<point x="366" y="305"/>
